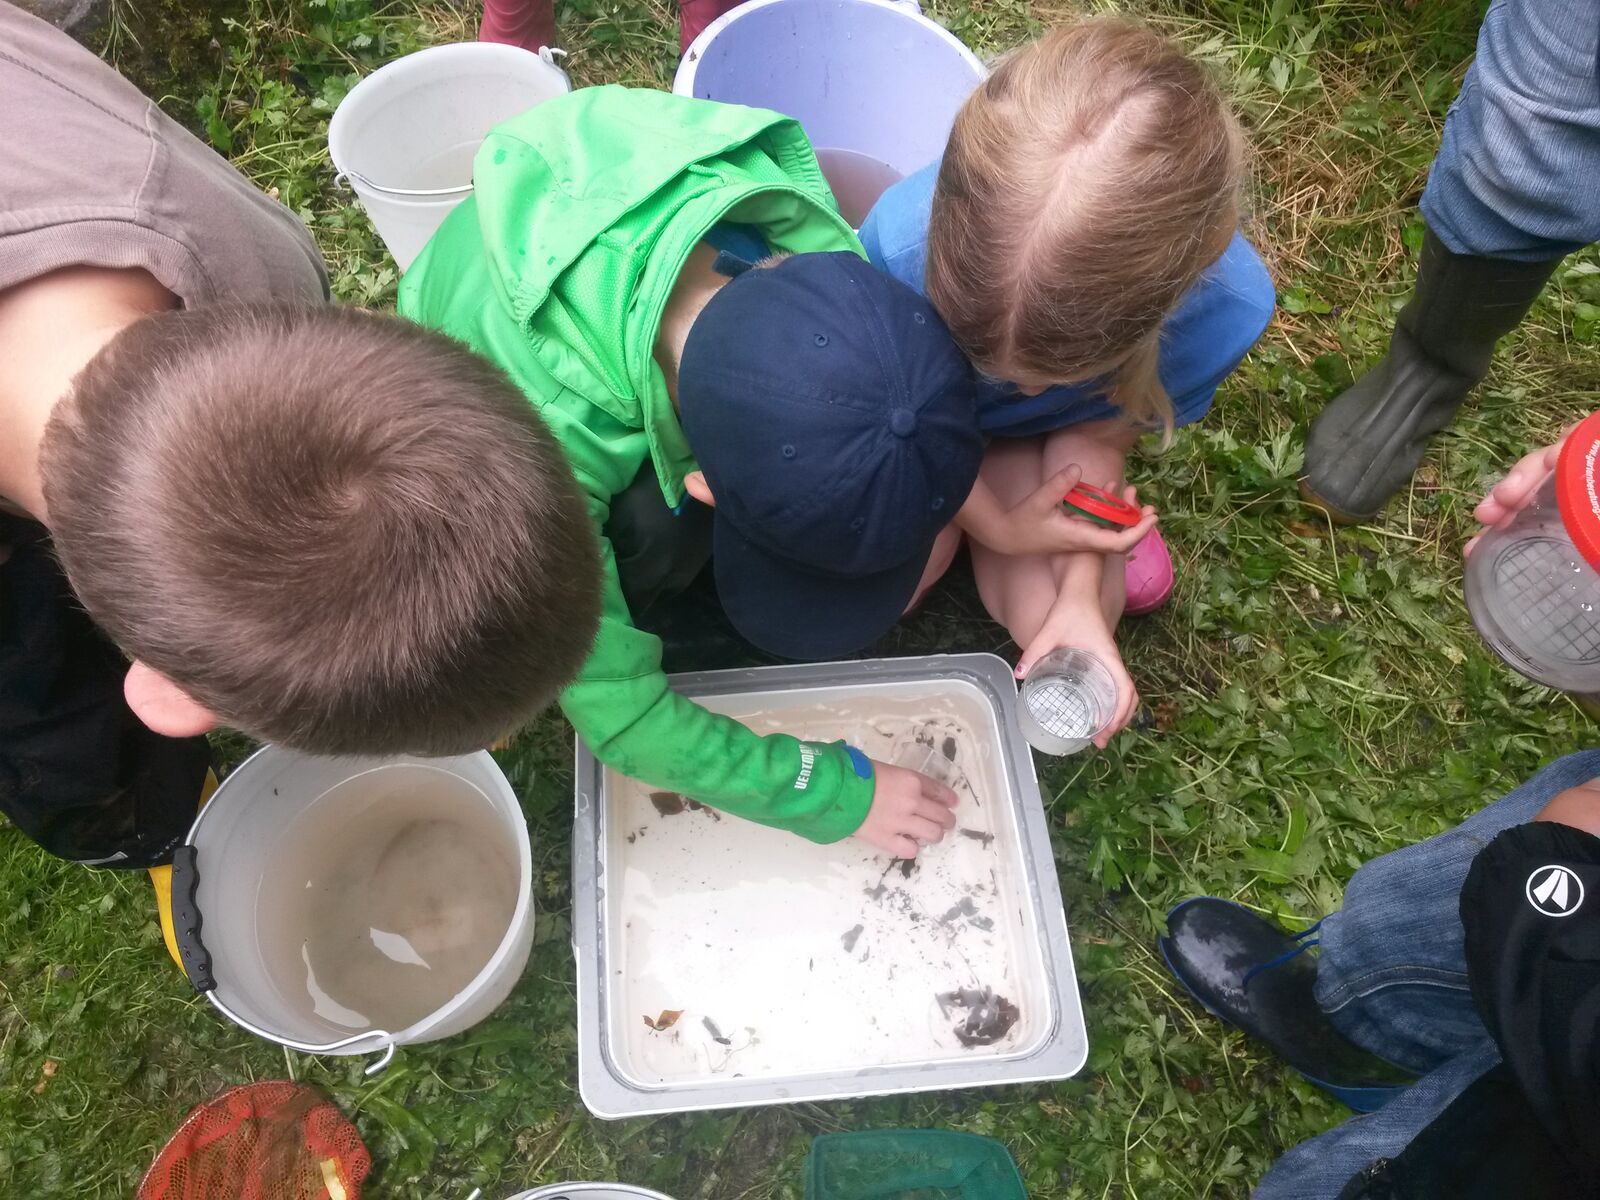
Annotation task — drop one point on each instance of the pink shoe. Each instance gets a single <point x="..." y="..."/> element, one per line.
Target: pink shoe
<point x="1150" y="575"/>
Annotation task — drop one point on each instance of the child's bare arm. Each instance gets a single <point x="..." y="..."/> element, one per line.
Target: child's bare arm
<point x="1078" y="618"/>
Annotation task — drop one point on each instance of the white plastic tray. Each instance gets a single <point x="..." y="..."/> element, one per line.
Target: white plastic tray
<point x="617" y="1079"/>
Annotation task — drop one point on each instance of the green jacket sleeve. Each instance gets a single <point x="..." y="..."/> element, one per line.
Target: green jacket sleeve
<point x="623" y="709"/>
<point x="582" y="212"/>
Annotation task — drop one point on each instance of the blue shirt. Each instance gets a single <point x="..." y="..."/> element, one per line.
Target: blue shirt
<point x="1204" y="339"/>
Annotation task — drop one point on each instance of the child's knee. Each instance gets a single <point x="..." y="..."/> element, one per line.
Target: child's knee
<point x="1578" y="807"/>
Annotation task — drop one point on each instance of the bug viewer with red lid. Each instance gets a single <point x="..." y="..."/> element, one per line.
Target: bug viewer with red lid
<point x="1533" y="577"/>
<point x="1102" y="507"/>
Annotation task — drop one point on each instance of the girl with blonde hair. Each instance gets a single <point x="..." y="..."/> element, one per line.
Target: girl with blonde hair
<point x="1080" y="238"/>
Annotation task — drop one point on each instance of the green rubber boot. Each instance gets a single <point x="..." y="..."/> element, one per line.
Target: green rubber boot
<point x="1364" y="446"/>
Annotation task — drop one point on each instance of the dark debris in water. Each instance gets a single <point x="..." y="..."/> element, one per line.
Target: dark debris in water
<point x="966" y="908"/>
<point x="849" y="939"/>
<point x="989" y="1016"/>
<point x="978" y="835"/>
<point x="906" y="866"/>
<point x="668" y="804"/>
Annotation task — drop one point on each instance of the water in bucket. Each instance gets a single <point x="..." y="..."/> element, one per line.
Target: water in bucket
<point x="386" y="897"/>
<point x="857" y="181"/>
<point x="406" y="135"/>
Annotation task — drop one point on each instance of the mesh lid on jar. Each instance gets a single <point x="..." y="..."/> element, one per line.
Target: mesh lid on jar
<point x="1578" y="488"/>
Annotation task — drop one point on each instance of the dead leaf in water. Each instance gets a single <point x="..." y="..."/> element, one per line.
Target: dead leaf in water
<point x="667" y="1019"/>
<point x="668" y="804"/>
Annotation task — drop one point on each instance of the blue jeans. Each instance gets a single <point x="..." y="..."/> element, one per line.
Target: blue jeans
<point x="1393" y="977"/>
<point x="1516" y="169"/>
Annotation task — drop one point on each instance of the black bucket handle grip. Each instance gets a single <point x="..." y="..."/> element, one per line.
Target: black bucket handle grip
<point x="192" y="952"/>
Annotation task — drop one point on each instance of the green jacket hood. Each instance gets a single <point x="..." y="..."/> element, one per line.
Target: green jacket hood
<point x="558" y="268"/>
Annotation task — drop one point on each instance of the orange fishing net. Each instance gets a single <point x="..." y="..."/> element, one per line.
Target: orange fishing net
<point x="264" y="1141"/>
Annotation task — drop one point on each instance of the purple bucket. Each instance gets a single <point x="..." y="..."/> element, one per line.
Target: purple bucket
<point x="875" y="84"/>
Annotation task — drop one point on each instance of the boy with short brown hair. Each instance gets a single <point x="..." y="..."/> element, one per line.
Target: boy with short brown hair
<point x="322" y="526"/>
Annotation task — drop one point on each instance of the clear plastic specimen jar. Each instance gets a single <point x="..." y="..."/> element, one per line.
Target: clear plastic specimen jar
<point x="1068" y="697"/>
<point x="1533" y="587"/>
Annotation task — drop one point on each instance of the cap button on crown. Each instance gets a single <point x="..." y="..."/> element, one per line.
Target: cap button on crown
<point x="903" y="422"/>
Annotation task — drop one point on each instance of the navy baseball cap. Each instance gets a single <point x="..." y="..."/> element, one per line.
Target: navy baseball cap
<point x="837" y="426"/>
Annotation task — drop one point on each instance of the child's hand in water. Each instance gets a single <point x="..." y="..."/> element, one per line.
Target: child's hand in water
<point x="1040" y="525"/>
<point x="1513" y="493"/>
<point x="908" y="811"/>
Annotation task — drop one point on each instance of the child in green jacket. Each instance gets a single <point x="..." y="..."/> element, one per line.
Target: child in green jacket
<point x="820" y="406"/>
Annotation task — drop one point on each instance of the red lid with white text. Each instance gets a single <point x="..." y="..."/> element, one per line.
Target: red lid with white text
<point x="1578" y="488"/>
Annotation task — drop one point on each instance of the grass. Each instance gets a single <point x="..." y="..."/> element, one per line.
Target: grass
<point x="1315" y="696"/>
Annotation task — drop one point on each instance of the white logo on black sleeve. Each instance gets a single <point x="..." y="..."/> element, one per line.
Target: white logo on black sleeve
<point x="1555" y="891"/>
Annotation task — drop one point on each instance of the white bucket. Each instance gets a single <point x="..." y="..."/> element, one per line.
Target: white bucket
<point x="589" y="1191"/>
<point x="226" y="936"/>
<point x="405" y="135"/>
<point x="875" y="84"/>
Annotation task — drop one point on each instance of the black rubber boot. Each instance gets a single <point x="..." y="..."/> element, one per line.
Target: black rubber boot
<point x="1364" y="446"/>
<point x="1257" y="978"/>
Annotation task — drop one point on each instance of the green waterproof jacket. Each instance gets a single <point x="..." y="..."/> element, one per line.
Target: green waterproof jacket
<point x="558" y="268"/>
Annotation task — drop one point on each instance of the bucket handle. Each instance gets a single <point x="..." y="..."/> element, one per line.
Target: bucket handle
<point x="197" y="966"/>
<point x="196" y="959"/>
<point x="345" y="180"/>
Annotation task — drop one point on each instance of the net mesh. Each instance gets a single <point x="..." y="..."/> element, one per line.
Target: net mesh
<point x="911" y="1164"/>
<point x="263" y="1141"/>
<point x="1064" y="709"/>
<point x="1553" y="600"/>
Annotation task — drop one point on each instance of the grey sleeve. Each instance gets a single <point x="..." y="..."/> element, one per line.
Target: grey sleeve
<point x="93" y="173"/>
